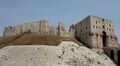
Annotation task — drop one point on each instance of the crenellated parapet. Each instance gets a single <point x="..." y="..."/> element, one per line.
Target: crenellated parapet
<point x="41" y="27"/>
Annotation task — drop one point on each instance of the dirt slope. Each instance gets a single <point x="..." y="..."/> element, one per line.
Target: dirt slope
<point x="33" y="39"/>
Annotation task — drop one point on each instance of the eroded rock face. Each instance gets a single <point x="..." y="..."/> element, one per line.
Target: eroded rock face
<point x="66" y="54"/>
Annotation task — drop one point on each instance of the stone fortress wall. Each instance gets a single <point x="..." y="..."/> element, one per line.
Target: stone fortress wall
<point x="39" y="27"/>
<point x="93" y="31"/>
<point x="96" y="32"/>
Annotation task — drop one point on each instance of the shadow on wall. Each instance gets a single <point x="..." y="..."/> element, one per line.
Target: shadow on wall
<point x="77" y="38"/>
<point x="114" y="54"/>
<point x="104" y="39"/>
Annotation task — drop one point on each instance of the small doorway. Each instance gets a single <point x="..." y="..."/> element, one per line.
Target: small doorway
<point x="104" y="39"/>
<point x="118" y="53"/>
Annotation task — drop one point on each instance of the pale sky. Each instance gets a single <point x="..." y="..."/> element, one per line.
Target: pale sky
<point x="13" y="12"/>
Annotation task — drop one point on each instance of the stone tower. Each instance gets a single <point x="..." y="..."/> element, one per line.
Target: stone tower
<point x="9" y="31"/>
<point x="44" y="27"/>
<point x="96" y="32"/>
<point x="61" y="29"/>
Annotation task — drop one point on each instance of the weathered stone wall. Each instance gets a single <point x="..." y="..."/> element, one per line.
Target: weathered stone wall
<point x="44" y="28"/>
<point x="100" y="25"/>
<point x="9" y="31"/>
<point x="61" y="29"/>
<point x="82" y="31"/>
<point x="92" y="29"/>
<point x="32" y="27"/>
<point x="39" y="27"/>
<point x="53" y="31"/>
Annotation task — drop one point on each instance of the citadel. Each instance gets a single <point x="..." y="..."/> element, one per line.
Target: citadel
<point x="93" y="31"/>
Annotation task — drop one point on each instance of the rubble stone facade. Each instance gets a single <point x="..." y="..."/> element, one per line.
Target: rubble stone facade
<point x="96" y="32"/>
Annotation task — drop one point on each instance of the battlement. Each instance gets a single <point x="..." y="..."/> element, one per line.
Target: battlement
<point x="41" y="27"/>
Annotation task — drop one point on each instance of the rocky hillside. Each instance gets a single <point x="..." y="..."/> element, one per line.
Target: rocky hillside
<point x="65" y="54"/>
<point x="33" y="39"/>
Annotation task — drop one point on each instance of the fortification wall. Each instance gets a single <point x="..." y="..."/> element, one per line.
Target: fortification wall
<point x="32" y="27"/>
<point x="101" y="26"/>
<point x="39" y="27"/>
<point x="53" y="31"/>
<point x="96" y="32"/>
<point x="9" y="31"/>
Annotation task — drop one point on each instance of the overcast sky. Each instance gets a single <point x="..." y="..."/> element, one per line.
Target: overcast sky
<point x="13" y="12"/>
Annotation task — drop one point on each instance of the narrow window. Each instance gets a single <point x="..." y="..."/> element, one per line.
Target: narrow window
<point x="99" y="27"/>
<point x="96" y="34"/>
<point x="96" y="22"/>
<point x="93" y="26"/>
<point x="109" y="25"/>
<point x="86" y="28"/>
<point x="110" y="29"/>
<point x="111" y="37"/>
<point x="103" y="27"/>
<point x="107" y="28"/>
<point x="96" y="27"/>
<point x="103" y="20"/>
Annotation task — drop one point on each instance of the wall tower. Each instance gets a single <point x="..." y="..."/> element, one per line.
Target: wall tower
<point x="96" y="32"/>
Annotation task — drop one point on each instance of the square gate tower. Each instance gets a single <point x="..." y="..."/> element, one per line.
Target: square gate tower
<point x="96" y="32"/>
